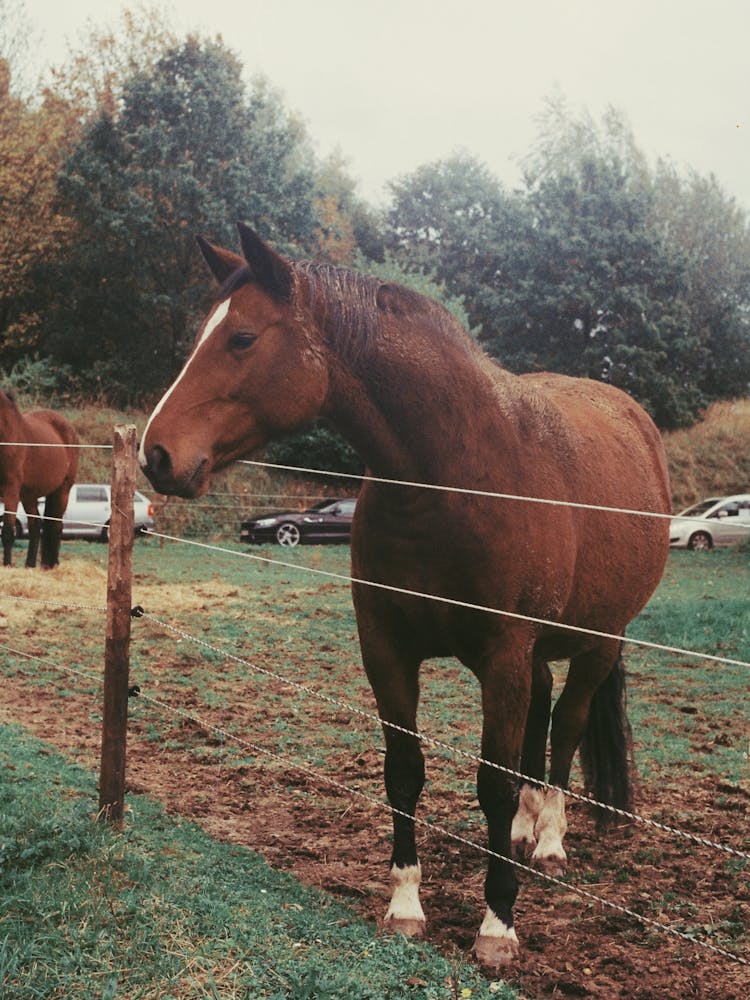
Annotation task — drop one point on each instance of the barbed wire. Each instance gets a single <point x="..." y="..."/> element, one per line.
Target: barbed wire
<point x="423" y="737"/>
<point x="228" y="737"/>
<point x="446" y="747"/>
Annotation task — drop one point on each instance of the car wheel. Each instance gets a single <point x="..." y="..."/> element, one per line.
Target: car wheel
<point x="288" y="534"/>
<point x="104" y="537"/>
<point x="700" y="541"/>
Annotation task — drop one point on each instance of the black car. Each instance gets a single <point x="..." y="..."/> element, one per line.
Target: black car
<point x="328" y="521"/>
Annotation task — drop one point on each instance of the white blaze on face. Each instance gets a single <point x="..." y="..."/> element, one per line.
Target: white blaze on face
<point x="215" y="319"/>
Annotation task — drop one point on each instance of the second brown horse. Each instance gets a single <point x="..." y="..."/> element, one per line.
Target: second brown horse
<point x="37" y="459"/>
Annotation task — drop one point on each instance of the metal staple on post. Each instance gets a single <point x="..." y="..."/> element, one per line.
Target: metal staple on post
<point x="117" y="641"/>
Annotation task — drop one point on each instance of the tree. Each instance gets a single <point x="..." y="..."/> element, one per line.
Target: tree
<point x="452" y="219"/>
<point x="33" y="144"/>
<point x="598" y="293"/>
<point x="187" y="151"/>
<point x="712" y="236"/>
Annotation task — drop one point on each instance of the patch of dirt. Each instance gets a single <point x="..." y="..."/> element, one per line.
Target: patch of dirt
<point x="570" y="946"/>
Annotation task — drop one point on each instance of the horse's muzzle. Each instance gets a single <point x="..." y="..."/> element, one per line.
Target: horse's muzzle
<point x="160" y="471"/>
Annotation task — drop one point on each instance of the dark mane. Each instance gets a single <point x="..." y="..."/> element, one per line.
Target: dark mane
<point x="349" y="305"/>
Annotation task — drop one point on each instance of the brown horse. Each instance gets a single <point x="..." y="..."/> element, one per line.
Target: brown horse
<point x="420" y="401"/>
<point x="29" y="471"/>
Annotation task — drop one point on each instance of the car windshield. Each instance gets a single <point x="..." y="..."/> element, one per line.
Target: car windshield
<point x="699" y="508"/>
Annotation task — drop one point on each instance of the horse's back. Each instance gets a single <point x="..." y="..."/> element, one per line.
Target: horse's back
<point x="48" y="469"/>
<point x="618" y="453"/>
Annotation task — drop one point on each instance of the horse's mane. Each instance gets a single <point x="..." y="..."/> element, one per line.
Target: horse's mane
<point x="8" y="396"/>
<point x="349" y="306"/>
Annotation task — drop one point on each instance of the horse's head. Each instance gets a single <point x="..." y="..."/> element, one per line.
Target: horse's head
<point x="256" y="371"/>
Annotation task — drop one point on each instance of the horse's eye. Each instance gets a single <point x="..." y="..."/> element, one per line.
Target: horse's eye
<point x="241" y="341"/>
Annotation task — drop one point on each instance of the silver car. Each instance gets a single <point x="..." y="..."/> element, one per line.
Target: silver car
<point x="88" y="511"/>
<point x="715" y="521"/>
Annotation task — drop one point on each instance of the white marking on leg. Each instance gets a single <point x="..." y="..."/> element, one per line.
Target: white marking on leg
<point x="549" y="832"/>
<point x="530" y="803"/>
<point x="496" y="944"/>
<point x="405" y="905"/>
<point x="218" y="316"/>
<point x="494" y="927"/>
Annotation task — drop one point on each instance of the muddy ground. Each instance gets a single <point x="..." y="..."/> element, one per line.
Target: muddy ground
<point x="570" y="947"/>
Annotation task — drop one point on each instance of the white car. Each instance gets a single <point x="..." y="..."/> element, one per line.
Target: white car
<point x="715" y="521"/>
<point x="88" y="511"/>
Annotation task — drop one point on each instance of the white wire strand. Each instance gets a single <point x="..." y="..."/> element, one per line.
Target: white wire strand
<point x="423" y="737"/>
<point x="451" y="601"/>
<point x="473" y="492"/>
<point x="446" y="747"/>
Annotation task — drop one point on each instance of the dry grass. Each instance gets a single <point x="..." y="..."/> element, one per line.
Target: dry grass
<point x="712" y="457"/>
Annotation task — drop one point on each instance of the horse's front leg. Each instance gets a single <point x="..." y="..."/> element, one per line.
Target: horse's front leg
<point x="11" y="501"/>
<point x="393" y="674"/>
<point x="506" y="693"/>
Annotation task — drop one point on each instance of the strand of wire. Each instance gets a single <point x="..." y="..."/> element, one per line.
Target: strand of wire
<point x="469" y="492"/>
<point x="445" y="747"/>
<point x="49" y="444"/>
<point x="55" y="604"/>
<point x="423" y="737"/>
<point x="399" y="482"/>
<point x="228" y="737"/>
<point x="624" y="814"/>
<point x="453" y="602"/>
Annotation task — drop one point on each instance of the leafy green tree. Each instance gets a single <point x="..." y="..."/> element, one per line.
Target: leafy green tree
<point x="188" y="151"/>
<point x="453" y="220"/>
<point x="711" y="234"/>
<point x="599" y="293"/>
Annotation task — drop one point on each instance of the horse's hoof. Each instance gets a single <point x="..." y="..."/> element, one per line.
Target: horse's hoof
<point x="553" y="865"/>
<point x="523" y="848"/>
<point x="408" y="926"/>
<point x="494" y="951"/>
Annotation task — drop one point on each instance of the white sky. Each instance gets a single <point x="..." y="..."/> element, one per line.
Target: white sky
<point x="398" y="83"/>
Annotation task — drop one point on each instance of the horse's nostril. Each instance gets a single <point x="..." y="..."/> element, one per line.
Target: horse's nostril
<point x="159" y="462"/>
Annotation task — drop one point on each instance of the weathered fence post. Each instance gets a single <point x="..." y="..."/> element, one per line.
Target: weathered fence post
<point x="117" y="643"/>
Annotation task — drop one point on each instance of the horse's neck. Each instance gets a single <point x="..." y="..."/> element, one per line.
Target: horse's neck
<point x="421" y="416"/>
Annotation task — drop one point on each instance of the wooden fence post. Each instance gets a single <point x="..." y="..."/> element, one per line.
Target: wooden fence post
<point x="117" y="643"/>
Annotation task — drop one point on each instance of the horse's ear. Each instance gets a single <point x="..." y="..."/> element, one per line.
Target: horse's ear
<point x="269" y="269"/>
<point x="221" y="263"/>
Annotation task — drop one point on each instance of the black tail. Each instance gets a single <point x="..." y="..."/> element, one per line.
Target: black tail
<point x="606" y="749"/>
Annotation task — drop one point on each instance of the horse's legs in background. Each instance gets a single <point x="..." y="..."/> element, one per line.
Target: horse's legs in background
<point x="533" y="760"/>
<point x="506" y="693"/>
<point x="54" y="509"/>
<point x="10" y="500"/>
<point x="572" y="715"/>
<point x="393" y="675"/>
<point x="35" y="529"/>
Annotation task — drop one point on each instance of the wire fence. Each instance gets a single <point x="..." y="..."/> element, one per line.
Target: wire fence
<point x="307" y="691"/>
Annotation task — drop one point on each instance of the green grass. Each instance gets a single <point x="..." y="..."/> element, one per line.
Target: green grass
<point x="162" y="911"/>
<point x="689" y="718"/>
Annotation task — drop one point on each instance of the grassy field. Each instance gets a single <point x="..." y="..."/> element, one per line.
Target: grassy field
<point x="162" y="911"/>
<point x="231" y="639"/>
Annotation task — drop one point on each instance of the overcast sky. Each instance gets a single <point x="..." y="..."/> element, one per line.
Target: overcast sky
<point x="398" y="83"/>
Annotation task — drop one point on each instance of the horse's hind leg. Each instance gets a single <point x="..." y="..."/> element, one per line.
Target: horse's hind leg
<point x="35" y="528"/>
<point x="533" y="761"/>
<point x="393" y="674"/>
<point x="54" y="509"/>
<point x="570" y="719"/>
